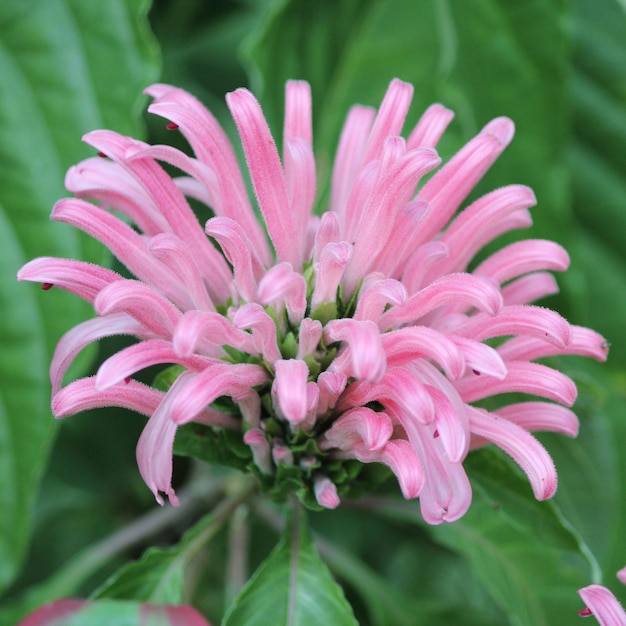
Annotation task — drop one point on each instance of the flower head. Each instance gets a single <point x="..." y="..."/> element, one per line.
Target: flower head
<point x="359" y="337"/>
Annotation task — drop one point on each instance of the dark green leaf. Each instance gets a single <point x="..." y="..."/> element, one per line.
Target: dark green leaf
<point x="293" y="586"/>
<point x="66" y="67"/>
<point x="159" y="575"/>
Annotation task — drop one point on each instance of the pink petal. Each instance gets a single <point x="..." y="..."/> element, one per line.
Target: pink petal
<point x="282" y="285"/>
<point x="155" y="448"/>
<point x="480" y="357"/>
<point x="389" y="119"/>
<point x="170" y="201"/>
<point x="522" y="319"/>
<point x="374" y="299"/>
<point x="326" y="493"/>
<point x="525" y="450"/>
<point x="157" y="314"/>
<point x="77" y="338"/>
<point x="522" y="257"/>
<point x="300" y="180"/>
<point x="460" y="289"/>
<point x="522" y="377"/>
<point x="407" y="344"/>
<point x="123" y="364"/>
<point x="603" y="605"/>
<point x="82" y="395"/>
<point x="331" y="386"/>
<point x="453" y="182"/>
<point x="480" y="223"/>
<point x="211" y="145"/>
<point x="82" y="279"/>
<point x="529" y="288"/>
<point x="196" y="327"/>
<point x="309" y="336"/>
<point x="584" y="342"/>
<point x="328" y="272"/>
<point x="363" y="339"/>
<point x="361" y="429"/>
<point x="541" y="416"/>
<point x="430" y="127"/>
<point x="219" y="379"/>
<point x="122" y="241"/>
<point x="257" y="441"/>
<point x="237" y="249"/>
<point x="173" y="253"/>
<point x="396" y="181"/>
<point x="399" y="455"/>
<point x="328" y="231"/>
<point x="113" y="187"/>
<point x="289" y="389"/>
<point x="253" y="316"/>
<point x="352" y="142"/>
<point x="267" y="176"/>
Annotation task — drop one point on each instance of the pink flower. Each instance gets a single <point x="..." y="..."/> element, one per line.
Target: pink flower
<point x="352" y="338"/>
<point x="603" y="605"/>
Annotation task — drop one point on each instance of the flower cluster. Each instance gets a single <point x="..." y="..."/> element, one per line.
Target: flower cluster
<point x="359" y="337"/>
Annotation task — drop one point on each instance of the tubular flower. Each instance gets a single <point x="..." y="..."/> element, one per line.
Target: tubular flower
<point x="332" y="343"/>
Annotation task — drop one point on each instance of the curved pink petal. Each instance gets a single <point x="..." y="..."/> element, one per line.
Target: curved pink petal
<point x="219" y="379"/>
<point x="173" y="253"/>
<point x="417" y="342"/>
<point x="525" y="450"/>
<point x="328" y="272"/>
<point x="237" y="250"/>
<point x="195" y="328"/>
<point x="522" y="377"/>
<point x="541" y="416"/>
<point x="523" y="257"/>
<point x="85" y="280"/>
<point x="430" y="127"/>
<point x="363" y="340"/>
<point x="212" y="147"/>
<point x="80" y="336"/>
<point x="464" y="290"/>
<point x="82" y="395"/>
<point x="603" y="605"/>
<point x="281" y="285"/>
<point x="128" y="361"/>
<point x="156" y="313"/>
<point x="252" y="316"/>
<point x="267" y="176"/>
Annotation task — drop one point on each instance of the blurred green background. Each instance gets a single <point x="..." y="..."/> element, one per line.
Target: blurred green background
<point x="556" y="67"/>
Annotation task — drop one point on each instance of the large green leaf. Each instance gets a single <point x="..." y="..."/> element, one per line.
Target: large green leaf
<point x="292" y="587"/>
<point x="482" y="59"/>
<point x="159" y="575"/>
<point x="525" y="552"/>
<point x="597" y="158"/>
<point x="66" y="67"/>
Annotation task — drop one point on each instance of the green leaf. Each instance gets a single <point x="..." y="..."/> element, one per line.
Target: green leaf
<point x="524" y="552"/>
<point x="293" y="586"/>
<point x="66" y="67"/>
<point x="482" y="59"/>
<point x="159" y="575"/>
<point x="597" y="159"/>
